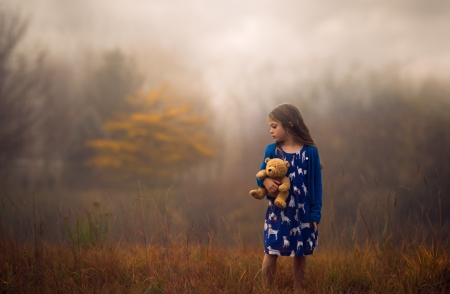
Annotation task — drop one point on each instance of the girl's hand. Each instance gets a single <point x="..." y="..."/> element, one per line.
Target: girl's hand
<point x="271" y="185"/>
<point x="314" y="225"/>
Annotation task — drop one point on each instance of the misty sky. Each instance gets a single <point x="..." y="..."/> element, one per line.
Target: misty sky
<point x="232" y="43"/>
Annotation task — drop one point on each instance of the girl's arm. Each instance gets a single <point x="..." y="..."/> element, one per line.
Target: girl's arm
<point x="260" y="182"/>
<point x="316" y="183"/>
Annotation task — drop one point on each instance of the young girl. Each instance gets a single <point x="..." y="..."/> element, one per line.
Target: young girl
<point x="292" y="231"/>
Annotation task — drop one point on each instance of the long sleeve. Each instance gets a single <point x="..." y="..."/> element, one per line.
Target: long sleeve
<point x="315" y="186"/>
<point x="268" y="153"/>
<point x="263" y="166"/>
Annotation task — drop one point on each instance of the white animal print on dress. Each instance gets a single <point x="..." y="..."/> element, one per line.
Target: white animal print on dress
<point x="284" y="218"/>
<point x="295" y="231"/>
<point x="300" y="171"/>
<point x="296" y="215"/>
<point x="303" y="156"/>
<point x="304" y="189"/>
<point x="292" y="176"/>
<point x="273" y="217"/>
<point x="297" y="190"/>
<point x="292" y="253"/>
<point x="270" y="203"/>
<point x="271" y="231"/>
<point x="285" y="242"/>
<point x="310" y="242"/>
<point x="273" y="251"/>
<point x="304" y="225"/>
<point x="302" y="206"/>
<point x="299" y="244"/>
<point x="291" y="201"/>
<point x="265" y="225"/>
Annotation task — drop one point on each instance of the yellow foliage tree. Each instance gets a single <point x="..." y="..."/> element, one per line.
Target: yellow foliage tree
<point x="162" y="135"/>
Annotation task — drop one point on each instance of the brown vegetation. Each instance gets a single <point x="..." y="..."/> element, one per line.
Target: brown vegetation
<point x="143" y="248"/>
<point x="196" y="269"/>
<point x="181" y="264"/>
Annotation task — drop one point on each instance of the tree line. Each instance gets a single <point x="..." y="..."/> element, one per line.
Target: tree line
<point x="65" y="125"/>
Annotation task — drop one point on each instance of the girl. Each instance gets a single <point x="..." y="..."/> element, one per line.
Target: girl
<point x="292" y="231"/>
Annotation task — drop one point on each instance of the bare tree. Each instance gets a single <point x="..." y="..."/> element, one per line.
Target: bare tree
<point x="19" y="85"/>
<point x="14" y="111"/>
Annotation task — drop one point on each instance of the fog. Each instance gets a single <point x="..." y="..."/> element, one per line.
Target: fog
<point x="233" y="44"/>
<point x="227" y="38"/>
<point x="364" y="74"/>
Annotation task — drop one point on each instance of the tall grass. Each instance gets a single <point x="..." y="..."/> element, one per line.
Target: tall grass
<point x="152" y="253"/>
<point x="127" y="268"/>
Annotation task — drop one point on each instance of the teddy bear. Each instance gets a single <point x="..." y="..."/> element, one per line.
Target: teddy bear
<point x="276" y="169"/>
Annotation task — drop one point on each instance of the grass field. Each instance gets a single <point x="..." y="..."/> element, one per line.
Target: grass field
<point x="183" y="268"/>
<point x="77" y="253"/>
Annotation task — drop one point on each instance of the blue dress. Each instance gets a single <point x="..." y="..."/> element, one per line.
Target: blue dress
<point x="287" y="231"/>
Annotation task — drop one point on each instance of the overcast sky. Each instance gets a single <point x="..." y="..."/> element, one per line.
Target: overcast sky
<point x="228" y="41"/>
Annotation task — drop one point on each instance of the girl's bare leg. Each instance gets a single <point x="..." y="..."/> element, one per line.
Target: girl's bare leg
<point x="268" y="269"/>
<point x="299" y="272"/>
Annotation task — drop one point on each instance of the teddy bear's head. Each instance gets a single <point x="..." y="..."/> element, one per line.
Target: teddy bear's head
<point x="276" y="167"/>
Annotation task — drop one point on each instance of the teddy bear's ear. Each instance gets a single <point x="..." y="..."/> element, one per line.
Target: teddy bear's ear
<point x="267" y="159"/>
<point x="287" y="164"/>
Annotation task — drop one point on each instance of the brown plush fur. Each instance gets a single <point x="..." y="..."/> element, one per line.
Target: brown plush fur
<point x="275" y="169"/>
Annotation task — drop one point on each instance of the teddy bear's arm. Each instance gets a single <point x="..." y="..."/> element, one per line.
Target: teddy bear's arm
<point x="285" y="184"/>
<point x="261" y="174"/>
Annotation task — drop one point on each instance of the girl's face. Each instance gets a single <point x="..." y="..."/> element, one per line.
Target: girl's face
<point x="278" y="133"/>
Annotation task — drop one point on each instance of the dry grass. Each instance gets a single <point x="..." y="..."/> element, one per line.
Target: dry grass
<point x="149" y="256"/>
<point x="196" y="269"/>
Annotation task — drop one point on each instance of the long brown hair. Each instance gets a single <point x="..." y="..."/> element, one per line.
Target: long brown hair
<point x="292" y="121"/>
